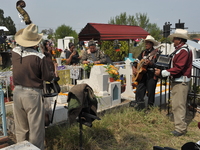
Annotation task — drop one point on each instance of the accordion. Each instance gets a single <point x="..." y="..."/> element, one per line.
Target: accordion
<point x="163" y="62"/>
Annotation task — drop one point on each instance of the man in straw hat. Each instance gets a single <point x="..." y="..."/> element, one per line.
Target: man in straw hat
<point x="30" y="69"/>
<point x="148" y="81"/>
<point x="180" y="72"/>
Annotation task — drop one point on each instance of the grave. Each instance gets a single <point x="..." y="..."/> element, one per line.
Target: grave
<point x="25" y="145"/>
<point x="128" y="93"/>
<point x="102" y="88"/>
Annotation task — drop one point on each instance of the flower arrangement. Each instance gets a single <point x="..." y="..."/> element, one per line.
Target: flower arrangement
<point x="57" y="52"/>
<point x="87" y="67"/>
<point x="113" y="72"/>
<point x="63" y="61"/>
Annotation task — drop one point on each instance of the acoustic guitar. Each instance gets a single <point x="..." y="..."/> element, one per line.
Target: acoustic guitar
<point x="141" y="67"/>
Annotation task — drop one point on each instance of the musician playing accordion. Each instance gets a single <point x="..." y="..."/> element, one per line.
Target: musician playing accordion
<point x="143" y="71"/>
<point x="180" y="72"/>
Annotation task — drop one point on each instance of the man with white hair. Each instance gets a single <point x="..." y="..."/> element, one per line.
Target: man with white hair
<point x="30" y="69"/>
<point x="180" y="72"/>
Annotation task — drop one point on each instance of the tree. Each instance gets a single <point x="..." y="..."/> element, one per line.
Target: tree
<point x="138" y="20"/>
<point x="8" y="23"/>
<point x="48" y="31"/>
<point x="64" y="30"/>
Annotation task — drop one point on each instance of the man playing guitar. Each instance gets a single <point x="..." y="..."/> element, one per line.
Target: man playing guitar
<point x="147" y="82"/>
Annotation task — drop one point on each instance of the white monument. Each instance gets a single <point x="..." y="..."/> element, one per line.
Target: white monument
<point x="63" y="44"/>
<point x="108" y="93"/>
<point x="128" y="93"/>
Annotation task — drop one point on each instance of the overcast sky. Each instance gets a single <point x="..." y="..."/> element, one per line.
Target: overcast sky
<point x="77" y="13"/>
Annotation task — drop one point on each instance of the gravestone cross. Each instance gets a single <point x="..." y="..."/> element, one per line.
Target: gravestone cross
<point x="128" y="93"/>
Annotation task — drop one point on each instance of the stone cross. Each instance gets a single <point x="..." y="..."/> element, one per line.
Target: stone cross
<point x="128" y="93"/>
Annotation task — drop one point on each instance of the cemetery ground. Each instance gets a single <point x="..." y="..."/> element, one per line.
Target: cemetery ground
<point x="123" y="128"/>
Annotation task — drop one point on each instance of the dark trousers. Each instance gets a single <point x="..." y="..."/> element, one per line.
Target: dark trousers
<point x="147" y="84"/>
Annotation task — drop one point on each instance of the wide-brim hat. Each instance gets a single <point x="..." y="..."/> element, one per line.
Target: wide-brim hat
<point x="180" y="33"/>
<point x="151" y="39"/>
<point x="28" y="36"/>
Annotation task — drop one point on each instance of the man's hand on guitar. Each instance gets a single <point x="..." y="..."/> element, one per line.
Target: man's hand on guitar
<point x="134" y="70"/>
<point x="147" y="62"/>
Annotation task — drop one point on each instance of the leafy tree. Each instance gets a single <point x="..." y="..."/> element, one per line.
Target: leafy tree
<point x="48" y="31"/>
<point x="8" y="23"/>
<point x="138" y="20"/>
<point x="123" y="19"/>
<point x="64" y="30"/>
<point x="192" y="36"/>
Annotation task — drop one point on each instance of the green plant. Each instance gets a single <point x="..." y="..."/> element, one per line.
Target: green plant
<point x="115" y="55"/>
<point x="87" y="67"/>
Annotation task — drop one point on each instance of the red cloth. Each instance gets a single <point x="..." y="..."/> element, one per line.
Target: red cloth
<point x="182" y="63"/>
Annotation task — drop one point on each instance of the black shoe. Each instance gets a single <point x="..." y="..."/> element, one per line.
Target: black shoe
<point x="133" y="103"/>
<point x="176" y="133"/>
<point x="140" y="106"/>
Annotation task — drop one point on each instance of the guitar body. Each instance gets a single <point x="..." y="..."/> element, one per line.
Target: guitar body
<point x="141" y="70"/>
<point x="141" y="67"/>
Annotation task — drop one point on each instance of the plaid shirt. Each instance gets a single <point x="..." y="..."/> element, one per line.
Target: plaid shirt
<point x="98" y="56"/>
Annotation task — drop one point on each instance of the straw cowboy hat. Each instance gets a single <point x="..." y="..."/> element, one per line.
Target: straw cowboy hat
<point x="180" y="33"/>
<point x="28" y="36"/>
<point x="151" y="39"/>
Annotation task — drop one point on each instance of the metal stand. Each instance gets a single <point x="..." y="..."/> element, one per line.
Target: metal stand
<point x="86" y="119"/>
<point x="55" y="102"/>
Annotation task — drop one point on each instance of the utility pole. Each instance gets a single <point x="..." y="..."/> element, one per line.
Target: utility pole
<point x="180" y="25"/>
<point x="166" y="32"/>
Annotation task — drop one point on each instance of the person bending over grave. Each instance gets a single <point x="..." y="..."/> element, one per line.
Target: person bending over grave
<point x="93" y="55"/>
<point x="72" y="55"/>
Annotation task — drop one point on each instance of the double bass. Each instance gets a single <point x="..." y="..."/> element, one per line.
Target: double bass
<point x="141" y="67"/>
<point x="20" y="5"/>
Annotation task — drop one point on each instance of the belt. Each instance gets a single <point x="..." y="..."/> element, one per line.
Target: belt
<point x="152" y="69"/>
<point x="27" y="88"/>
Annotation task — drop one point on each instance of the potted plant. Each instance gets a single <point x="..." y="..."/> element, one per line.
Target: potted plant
<point x="87" y="68"/>
<point x="113" y="72"/>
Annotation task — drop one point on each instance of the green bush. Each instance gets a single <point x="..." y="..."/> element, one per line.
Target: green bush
<point x="108" y="49"/>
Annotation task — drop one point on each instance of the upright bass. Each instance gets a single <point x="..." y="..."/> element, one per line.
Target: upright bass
<point x="20" y="7"/>
<point x="141" y="67"/>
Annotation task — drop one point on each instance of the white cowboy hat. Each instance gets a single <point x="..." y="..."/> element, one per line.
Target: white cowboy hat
<point x="28" y="36"/>
<point x="151" y="39"/>
<point x="180" y="33"/>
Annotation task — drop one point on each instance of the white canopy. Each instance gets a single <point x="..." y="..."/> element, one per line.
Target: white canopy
<point x="3" y="28"/>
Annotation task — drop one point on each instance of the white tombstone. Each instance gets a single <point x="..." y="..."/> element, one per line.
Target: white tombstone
<point x="98" y="80"/>
<point x="25" y="145"/>
<point x="115" y="93"/>
<point x="63" y="44"/>
<point x="128" y="93"/>
<point x="67" y="40"/>
<point x="60" y="44"/>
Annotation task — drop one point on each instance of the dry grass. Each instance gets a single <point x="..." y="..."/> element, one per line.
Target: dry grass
<point x="123" y="129"/>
